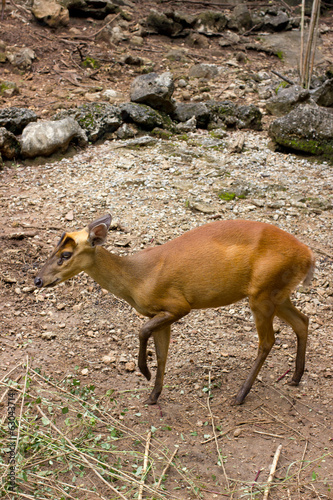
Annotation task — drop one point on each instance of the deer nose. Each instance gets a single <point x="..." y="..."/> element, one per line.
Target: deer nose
<point x="38" y="282"/>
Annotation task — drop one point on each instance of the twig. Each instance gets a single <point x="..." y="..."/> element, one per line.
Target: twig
<point x="301" y="73"/>
<point x="282" y="376"/>
<point x="22" y="403"/>
<point x="11" y="371"/>
<point x="301" y="464"/>
<point x="166" y="468"/>
<point x="145" y="464"/>
<point x="214" y="432"/>
<point x="269" y="434"/>
<point x="272" y="471"/>
<point x="283" y="77"/>
<point x="105" y="25"/>
<point x="247" y="422"/>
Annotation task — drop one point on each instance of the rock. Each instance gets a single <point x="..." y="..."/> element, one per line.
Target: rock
<point x="136" y="40"/>
<point x="204" y="71"/>
<point x="10" y="147"/>
<point x="287" y="99"/>
<point x="109" y="358"/>
<point x="133" y="60"/>
<point x="48" y="335"/>
<point x="154" y="90"/>
<point x="126" y="131"/>
<point x="51" y="13"/>
<point x="96" y="119"/>
<point x="45" y="137"/>
<point x="15" y="119"/>
<point x="143" y="141"/>
<point x="240" y="19"/>
<point x="184" y="111"/>
<point x="275" y="20"/>
<point x="196" y="40"/>
<point x="8" y="89"/>
<point x="141" y="114"/>
<point x="229" y="114"/>
<point x="229" y="38"/>
<point x="177" y="55"/>
<point x="306" y="128"/>
<point x="188" y="126"/>
<point x="323" y="95"/>
<point x="130" y="366"/>
<point x="210" y="21"/>
<point x="21" y="58"/>
<point x="96" y="9"/>
<point x="85" y="371"/>
<point x="160" y="23"/>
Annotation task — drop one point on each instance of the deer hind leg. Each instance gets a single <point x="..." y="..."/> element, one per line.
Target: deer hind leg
<point x="263" y="311"/>
<point x="299" y="323"/>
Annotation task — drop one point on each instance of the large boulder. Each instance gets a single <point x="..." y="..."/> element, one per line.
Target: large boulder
<point x="141" y="114"/>
<point x="15" y="119"/>
<point x="287" y="99"/>
<point x="97" y="9"/>
<point x="154" y="90"/>
<point x="51" y="13"/>
<point x="306" y="128"/>
<point x="46" y="137"/>
<point x="211" y="21"/>
<point x="230" y="115"/>
<point x="10" y="147"/>
<point x="96" y="119"/>
<point x="184" y="111"/>
<point x="240" y="19"/>
<point x="323" y="95"/>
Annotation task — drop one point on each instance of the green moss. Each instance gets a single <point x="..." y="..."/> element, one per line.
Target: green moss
<point x="90" y="62"/>
<point x="282" y="85"/>
<point x="161" y="133"/>
<point x="280" y="55"/>
<point x="226" y="195"/>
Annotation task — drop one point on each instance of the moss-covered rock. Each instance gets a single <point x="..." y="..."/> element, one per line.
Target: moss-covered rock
<point x="306" y="128"/>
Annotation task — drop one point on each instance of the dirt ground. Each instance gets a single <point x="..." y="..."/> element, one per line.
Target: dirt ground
<point x="66" y="331"/>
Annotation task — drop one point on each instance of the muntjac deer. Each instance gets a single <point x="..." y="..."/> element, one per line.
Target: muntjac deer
<point x="213" y="265"/>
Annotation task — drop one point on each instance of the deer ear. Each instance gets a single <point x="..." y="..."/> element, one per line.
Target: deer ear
<point x="98" y="230"/>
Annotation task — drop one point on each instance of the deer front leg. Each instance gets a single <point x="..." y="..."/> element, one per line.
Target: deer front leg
<point x="159" y="327"/>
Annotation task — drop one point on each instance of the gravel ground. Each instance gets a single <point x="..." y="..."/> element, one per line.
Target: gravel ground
<point x="156" y="193"/>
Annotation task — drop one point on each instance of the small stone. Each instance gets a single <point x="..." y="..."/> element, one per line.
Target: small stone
<point x="69" y="216"/>
<point x="237" y="432"/>
<point x="130" y="366"/>
<point x="85" y="371"/>
<point x="109" y="358"/>
<point x="48" y="335"/>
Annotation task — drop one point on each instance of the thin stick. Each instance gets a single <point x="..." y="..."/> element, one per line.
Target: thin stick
<point x="214" y="432"/>
<point x="301" y="464"/>
<point x="269" y="434"/>
<point x="12" y="370"/>
<point x="166" y="468"/>
<point x="301" y="71"/>
<point x="105" y="25"/>
<point x="314" y="46"/>
<point x="145" y="464"/>
<point x="272" y="471"/>
<point x="22" y="403"/>
<point x="282" y="77"/>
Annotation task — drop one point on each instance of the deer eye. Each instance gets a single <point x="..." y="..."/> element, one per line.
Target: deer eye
<point x="66" y="255"/>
